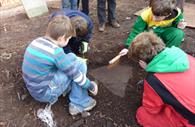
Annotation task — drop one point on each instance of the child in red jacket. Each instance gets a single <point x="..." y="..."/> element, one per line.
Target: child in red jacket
<point x="169" y="88"/>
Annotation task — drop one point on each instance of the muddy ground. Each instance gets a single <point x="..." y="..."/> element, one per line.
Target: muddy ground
<point x="18" y="108"/>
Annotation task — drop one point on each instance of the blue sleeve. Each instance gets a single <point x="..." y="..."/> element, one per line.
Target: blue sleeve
<point x="90" y="31"/>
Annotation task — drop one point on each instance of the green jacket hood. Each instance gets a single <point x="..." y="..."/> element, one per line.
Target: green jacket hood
<point x="169" y="60"/>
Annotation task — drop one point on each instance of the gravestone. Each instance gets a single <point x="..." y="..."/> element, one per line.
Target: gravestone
<point x="34" y="8"/>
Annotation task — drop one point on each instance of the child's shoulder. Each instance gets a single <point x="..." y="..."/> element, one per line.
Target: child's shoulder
<point x="44" y="45"/>
<point x="147" y="12"/>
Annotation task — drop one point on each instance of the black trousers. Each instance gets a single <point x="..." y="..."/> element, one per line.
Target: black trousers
<point x="101" y="11"/>
<point x="85" y="6"/>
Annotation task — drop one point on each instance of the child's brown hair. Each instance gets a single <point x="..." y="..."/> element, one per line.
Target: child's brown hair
<point x="60" y="26"/>
<point x="145" y="46"/>
<point x="162" y="7"/>
<point x="80" y="25"/>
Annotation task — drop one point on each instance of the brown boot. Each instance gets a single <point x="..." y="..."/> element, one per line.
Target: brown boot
<point x="101" y="27"/>
<point x="115" y="24"/>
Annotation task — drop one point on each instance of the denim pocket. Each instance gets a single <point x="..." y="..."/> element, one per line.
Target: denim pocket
<point x="50" y="95"/>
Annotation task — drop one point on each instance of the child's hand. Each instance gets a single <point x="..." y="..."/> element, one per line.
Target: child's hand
<point x="142" y="64"/>
<point x="84" y="47"/>
<point x="182" y="24"/>
<point x="123" y="52"/>
<point x="94" y="88"/>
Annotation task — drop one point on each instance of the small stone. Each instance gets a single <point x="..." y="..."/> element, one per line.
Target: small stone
<point x="85" y="114"/>
<point x="2" y="124"/>
<point x="4" y="28"/>
<point x="23" y="97"/>
<point x="128" y="18"/>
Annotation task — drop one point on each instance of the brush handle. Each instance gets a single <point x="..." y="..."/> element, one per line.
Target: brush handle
<point x="115" y="59"/>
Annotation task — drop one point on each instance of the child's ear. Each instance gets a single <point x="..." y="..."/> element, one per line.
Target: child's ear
<point x="61" y="38"/>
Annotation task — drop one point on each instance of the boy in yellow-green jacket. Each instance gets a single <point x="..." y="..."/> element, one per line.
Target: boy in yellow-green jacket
<point x="164" y="19"/>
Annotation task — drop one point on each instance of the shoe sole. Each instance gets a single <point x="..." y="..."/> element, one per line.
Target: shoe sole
<point x="86" y="109"/>
<point x="90" y="107"/>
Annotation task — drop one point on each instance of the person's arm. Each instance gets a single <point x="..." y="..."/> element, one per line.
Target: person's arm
<point x="88" y="37"/>
<point x="139" y="26"/>
<point x="65" y="62"/>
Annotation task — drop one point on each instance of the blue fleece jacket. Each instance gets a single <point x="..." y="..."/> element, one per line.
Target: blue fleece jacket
<point x="71" y="13"/>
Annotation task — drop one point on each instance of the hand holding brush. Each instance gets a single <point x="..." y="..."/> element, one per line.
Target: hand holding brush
<point x="116" y="59"/>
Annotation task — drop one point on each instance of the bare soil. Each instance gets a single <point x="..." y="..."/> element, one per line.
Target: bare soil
<point x="18" y="108"/>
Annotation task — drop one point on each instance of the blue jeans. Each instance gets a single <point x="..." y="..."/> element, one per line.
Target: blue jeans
<point x="101" y="10"/>
<point x="61" y="83"/>
<point x="69" y="4"/>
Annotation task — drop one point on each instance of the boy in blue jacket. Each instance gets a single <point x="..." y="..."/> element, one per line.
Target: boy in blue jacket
<point x="83" y="26"/>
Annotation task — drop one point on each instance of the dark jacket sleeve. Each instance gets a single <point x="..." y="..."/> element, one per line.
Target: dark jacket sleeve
<point x="90" y="31"/>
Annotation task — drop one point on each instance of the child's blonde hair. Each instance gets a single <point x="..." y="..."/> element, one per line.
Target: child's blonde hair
<point x="60" y="26"/>
<point x="162" y="7"/>
<point x="145" y="46"/>
<point x="80" y="25"/>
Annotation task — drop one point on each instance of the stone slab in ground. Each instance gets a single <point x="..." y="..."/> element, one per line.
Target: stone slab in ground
<point x="114" y="79"/>
<point x="35" y="8"/>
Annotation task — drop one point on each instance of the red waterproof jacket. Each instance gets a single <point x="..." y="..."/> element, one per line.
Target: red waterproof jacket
<point x="169" y="99"/>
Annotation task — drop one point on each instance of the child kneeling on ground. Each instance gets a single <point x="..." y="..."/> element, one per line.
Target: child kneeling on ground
<point x="169" y="88"/>
<point x="84" y="29"/>
<point x="48" y="72"/>
<point x="164" y="19"/>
